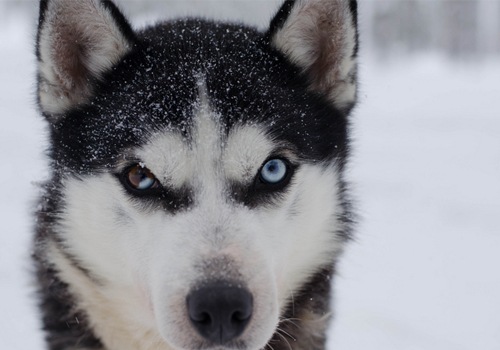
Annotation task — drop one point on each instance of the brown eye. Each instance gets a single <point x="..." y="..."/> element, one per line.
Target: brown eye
<point x="141" y="178"/>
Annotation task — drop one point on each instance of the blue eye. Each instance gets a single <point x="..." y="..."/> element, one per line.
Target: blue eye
<point x="274" y="171"/>
<point x="141" y="178"/>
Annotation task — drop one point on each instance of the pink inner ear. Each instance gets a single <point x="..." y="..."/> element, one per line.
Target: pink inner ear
<point x="328" y="45"/>
<point x="320" y="37"/>
<point x="68" y="56"/>
<point x="79" y="41"/>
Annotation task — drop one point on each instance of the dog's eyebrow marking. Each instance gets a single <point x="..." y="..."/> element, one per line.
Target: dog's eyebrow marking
<point x="167" y="155"/>
<point x="246" y="149"/>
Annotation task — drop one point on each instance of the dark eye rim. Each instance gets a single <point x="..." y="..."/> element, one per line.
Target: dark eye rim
<point x="153" y="190"/>
<point x="262" y="185"/>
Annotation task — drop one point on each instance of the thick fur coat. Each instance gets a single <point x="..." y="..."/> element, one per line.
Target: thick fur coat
<point x="197" y="197"/>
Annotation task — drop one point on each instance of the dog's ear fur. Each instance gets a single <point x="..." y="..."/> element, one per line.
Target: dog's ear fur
<point x="77" y="42"/>
<point x="320" y="36"/>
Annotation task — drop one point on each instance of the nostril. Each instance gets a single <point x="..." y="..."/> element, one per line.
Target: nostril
<point x="240" y="316"/>
<point x="203" y="318"/>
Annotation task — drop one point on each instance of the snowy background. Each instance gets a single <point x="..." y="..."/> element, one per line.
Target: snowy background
<point x="424" y="272"/>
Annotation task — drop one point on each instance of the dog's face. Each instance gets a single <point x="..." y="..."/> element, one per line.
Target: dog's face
<point x="198" y="166"/>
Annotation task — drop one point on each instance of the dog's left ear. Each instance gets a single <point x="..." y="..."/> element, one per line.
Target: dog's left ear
<point x="78" y="41"/>
<point x="320" y="36"/>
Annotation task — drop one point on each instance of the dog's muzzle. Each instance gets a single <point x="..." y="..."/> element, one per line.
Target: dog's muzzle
<point x="220" y="312"/>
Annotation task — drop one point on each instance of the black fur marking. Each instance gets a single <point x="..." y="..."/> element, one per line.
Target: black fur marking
<point x="120" y="20"/>
<point x="353" y="6"/>
<point x="41" y="20"/>
<point x="280" y="18"/>
<point x="260" y="193"/>
<point x="65" y="326"/>
<point x="48" y="214"/>
<point x="172" y="200"/>
<point x="268" y="91"/>
<point x="303" y="324"/>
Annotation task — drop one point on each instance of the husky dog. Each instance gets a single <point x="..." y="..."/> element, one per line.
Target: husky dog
<point x="197" y="198"/>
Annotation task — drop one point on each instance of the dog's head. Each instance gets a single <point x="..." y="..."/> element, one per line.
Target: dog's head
<point x="197" y="165"/>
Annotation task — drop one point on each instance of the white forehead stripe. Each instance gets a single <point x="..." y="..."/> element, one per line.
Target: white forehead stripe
<point x="207" y="159"/>
<point x="207" y="139"/>
<point x="176" y="161"/>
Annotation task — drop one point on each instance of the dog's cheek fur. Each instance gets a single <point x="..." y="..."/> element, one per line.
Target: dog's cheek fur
<point x="95" y="256"/>
<point x="308" y="230"/>
<point x="114" y="314"/>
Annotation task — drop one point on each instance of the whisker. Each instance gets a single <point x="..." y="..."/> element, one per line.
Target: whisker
<point x="282" y="330"/>
<point x="290" y="320"/>
<point x="268" y="344"/>
<point x="284" y="338"/>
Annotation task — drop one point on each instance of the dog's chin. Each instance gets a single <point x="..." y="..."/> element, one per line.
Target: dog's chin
<point x="232" y="345"/>
<point x="256" y="342"/>
<point x="254" y="338"/>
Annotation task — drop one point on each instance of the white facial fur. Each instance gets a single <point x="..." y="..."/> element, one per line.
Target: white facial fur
<point x="144" y="261"/>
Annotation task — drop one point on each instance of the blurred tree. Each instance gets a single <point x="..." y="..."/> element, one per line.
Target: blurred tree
<point x="458" y="28"/>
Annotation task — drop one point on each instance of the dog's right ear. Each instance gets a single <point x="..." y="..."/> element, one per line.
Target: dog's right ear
<point x="78" y="41"/>
<point x="321" y="38"/>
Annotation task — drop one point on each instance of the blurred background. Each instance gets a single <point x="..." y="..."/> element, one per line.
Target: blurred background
<point x="458" y="29"/>
<point x="424" y="270"/>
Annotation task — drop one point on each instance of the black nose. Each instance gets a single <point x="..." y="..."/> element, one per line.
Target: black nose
<point x="220" y="313"/>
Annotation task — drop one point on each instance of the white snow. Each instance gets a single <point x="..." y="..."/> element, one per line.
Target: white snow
<point x="424" y="270"/>
<point x="21" y="147"/>
<point x="423" y="273"/>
